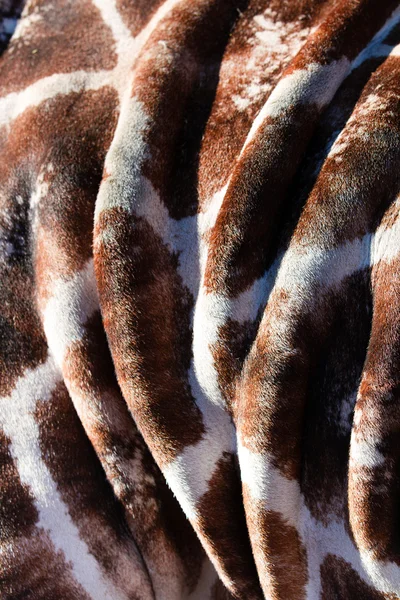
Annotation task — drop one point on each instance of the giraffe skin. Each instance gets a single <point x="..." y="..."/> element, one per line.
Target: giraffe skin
<point x="199" y="301"/>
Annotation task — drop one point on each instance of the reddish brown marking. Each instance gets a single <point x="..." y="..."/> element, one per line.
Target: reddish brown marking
<point x="22" y="342"/>
<point x="249" y="219"/>
<point x="79" y="476"/>
<point x="356" y="182"/>
<point x="229" y="353"/>
<point x="36" y="571"/>
<point x="219" y="517"/>
<point x="278" y="550"/>
<point x="55" y="44"/>
<point x="136" y="15"/>
<point x="227" y="127"/>
<point x="175" y="79"/>
<point x="154" y="516"/>
<point x="344" y="31"/>
<point x="273" y="390"/>
<point x="18" y="514"/>
<point x="330" y="401"/>
<point x="339" y="580"/>
<point x="146" y="312"/>
<point x="374" y="492"/>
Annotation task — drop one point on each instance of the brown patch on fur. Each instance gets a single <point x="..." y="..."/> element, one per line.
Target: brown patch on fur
<point x="137" y="14"/>
<point x="355" y="183"/>
<point x="339" y="580"/>
<point x="35" y="570"/>
<point x="77" y="152"/>
<point x="222" y="521"/>
<point x="86" y="492"/>
<point x="274" y="386"/>
<point x="54" y="44"/>
<point x="344" y="31"/>
<point x="176" y="80"/>
<point x="311" y="172"/>
<point x="74" y="465"/>
<point x="374" y="491"/>
<point x="88" y="363"/>
<point x="229" y="353"/>
<point x="280" y="555"/>
<point x="22" y="342"/>
<point x="328" y="416"/>
<point x="18" y="514"/>
<point x="249" y="218"/>
<point x="227" y="127"/>
<point x="154" y="515"/>
<point x="146" y="312"/>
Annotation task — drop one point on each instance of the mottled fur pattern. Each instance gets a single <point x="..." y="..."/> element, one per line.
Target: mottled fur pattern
<point x="200" y="300"/>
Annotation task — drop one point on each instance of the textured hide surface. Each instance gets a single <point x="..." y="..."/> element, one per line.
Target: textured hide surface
<point x="200" y="300"/>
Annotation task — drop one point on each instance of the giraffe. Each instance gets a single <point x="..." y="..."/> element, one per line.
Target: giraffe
<point x="199" y="315"/>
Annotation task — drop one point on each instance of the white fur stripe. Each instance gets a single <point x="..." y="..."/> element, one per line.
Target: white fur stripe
<point x="137" y="196"/>
<point x="265" y="483"/>
<point x="71" y="303"/>
<point x="14" y="104"/>
<point x="316" y="84"/>
<point x="364" y="453"/>
<point x="125" y="187"/>
<point x="18" y="423"/>
<point x="301" y="265"/>
<point x="189" y="483"/>
<point x="376" y="47"/>
<point x="114" y="21"/>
